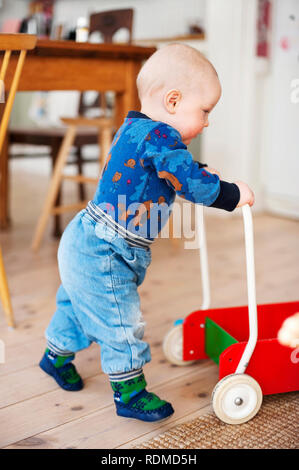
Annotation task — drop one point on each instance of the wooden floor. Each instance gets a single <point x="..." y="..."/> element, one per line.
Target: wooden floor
<point x="35" y="413"/>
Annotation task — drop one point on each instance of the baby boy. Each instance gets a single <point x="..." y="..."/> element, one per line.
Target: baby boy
<point x="106" y="249"/>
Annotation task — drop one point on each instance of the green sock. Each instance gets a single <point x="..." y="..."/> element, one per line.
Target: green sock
<point x="69" y="374"/>
<point x="58" y="361"/>
<point x="125" y="390"/>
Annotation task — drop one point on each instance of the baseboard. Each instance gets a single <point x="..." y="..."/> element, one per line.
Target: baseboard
<point x="282" y="205"/>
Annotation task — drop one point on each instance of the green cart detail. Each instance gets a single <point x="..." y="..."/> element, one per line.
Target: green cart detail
<point x="216" y="340"/>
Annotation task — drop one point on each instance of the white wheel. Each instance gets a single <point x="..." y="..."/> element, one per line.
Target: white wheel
<point x="173" y="346"/>
<point x="237" y="398"/>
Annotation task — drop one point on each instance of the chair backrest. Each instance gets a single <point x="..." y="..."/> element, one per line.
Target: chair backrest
<point x="109" y="22"/>
<point x="9" y="43"/>
<point x="17" y="42"/>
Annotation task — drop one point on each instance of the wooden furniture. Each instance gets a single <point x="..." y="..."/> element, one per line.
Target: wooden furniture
<point x="10" y="43"/>
<point x="53" y="137"/>
<point x="67" y="65"/>
<point x="104" y="130"/>
<point x="107" y="23"/>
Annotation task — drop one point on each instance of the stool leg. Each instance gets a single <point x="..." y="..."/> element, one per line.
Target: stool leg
<point x="4" y="294"/>
<point x="57" y="231"/>
<point x="54" y="186"/>
<point x="105" y="140"/>
<point x="81" y="187"/>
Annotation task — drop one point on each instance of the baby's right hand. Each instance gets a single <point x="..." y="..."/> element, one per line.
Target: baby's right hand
<point x="246" y="195"/>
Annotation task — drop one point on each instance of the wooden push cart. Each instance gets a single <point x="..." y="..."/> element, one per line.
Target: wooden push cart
<point x="236" y="344"/>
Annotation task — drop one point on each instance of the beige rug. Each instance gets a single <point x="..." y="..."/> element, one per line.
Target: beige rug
<point x="276" y="426"/>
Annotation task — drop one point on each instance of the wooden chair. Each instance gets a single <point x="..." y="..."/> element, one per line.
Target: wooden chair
<point x="10" y="43"/>
<point x="52" y="137"/>
<point x="104" y="128"/>
<point x="107" y="23"/>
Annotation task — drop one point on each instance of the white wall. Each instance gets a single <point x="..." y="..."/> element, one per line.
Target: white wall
<point x="153" y="18"/>
<point x="13" y="9"/>
<point x="254" y="130"/>
<point x="280" y="168"/>
<point x="230" y="142"/>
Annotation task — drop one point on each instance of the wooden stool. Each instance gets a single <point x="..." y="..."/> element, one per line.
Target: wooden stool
<point x="105" y="129"/>
<point x="8" y="43"/>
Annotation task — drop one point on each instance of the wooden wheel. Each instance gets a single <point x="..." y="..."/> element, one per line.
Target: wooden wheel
<point x="237" y="398"/>
<point x="173" y="346"/>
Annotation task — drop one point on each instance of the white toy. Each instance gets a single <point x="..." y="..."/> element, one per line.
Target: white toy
<point x="288" y="334"/>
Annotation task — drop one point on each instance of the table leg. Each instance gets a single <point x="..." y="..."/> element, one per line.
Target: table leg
<point x="128" y="100"/>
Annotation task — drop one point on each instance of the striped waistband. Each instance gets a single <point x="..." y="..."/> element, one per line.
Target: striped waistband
<point x="57" y="351"/>
<point x="120" y="377"/>
<point x="100" y="216"/>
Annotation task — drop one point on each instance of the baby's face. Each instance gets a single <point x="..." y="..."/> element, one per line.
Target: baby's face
<point x="192" y="114"/>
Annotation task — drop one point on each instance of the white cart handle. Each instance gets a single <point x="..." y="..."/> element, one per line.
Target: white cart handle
<point x="252" y="308"/>
<point x="250" y="268"/>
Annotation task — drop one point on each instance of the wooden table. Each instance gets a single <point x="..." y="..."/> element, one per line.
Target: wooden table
<point x="67" y="65"/>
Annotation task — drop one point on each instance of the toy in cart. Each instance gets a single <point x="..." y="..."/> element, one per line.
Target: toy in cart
<point x="239" y="340"/>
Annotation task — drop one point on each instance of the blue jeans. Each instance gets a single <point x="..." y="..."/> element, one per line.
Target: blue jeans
<point x="97" y="300"/>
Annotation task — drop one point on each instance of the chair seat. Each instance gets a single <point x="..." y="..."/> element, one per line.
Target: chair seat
<point x="88" y="122"/>
<point x="50" y="135"/>
<point x="51" y="131"/>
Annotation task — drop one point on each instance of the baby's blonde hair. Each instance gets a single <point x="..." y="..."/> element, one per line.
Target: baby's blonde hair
<point x="176" y="66"/>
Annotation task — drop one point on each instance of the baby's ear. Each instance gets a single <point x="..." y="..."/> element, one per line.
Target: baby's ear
<point x="171" y="100"/>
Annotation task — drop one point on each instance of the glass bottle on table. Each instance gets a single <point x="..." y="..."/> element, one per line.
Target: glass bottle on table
<point x="82" y="29"/>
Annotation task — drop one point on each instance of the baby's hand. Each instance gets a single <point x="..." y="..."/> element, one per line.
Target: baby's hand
<point x="246" y="195"/>
<point x="212" y="170"/>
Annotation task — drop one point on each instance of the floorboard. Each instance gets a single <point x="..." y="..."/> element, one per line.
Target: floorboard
<point x="34" y="411"/>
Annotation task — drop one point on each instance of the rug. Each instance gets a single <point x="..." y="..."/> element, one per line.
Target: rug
<point x="276" y="426"/>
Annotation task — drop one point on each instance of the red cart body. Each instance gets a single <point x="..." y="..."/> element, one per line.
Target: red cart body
<point x="274" y="366"/>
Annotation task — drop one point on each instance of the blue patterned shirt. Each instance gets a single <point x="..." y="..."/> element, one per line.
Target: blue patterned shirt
<point x="146" y="167"/>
